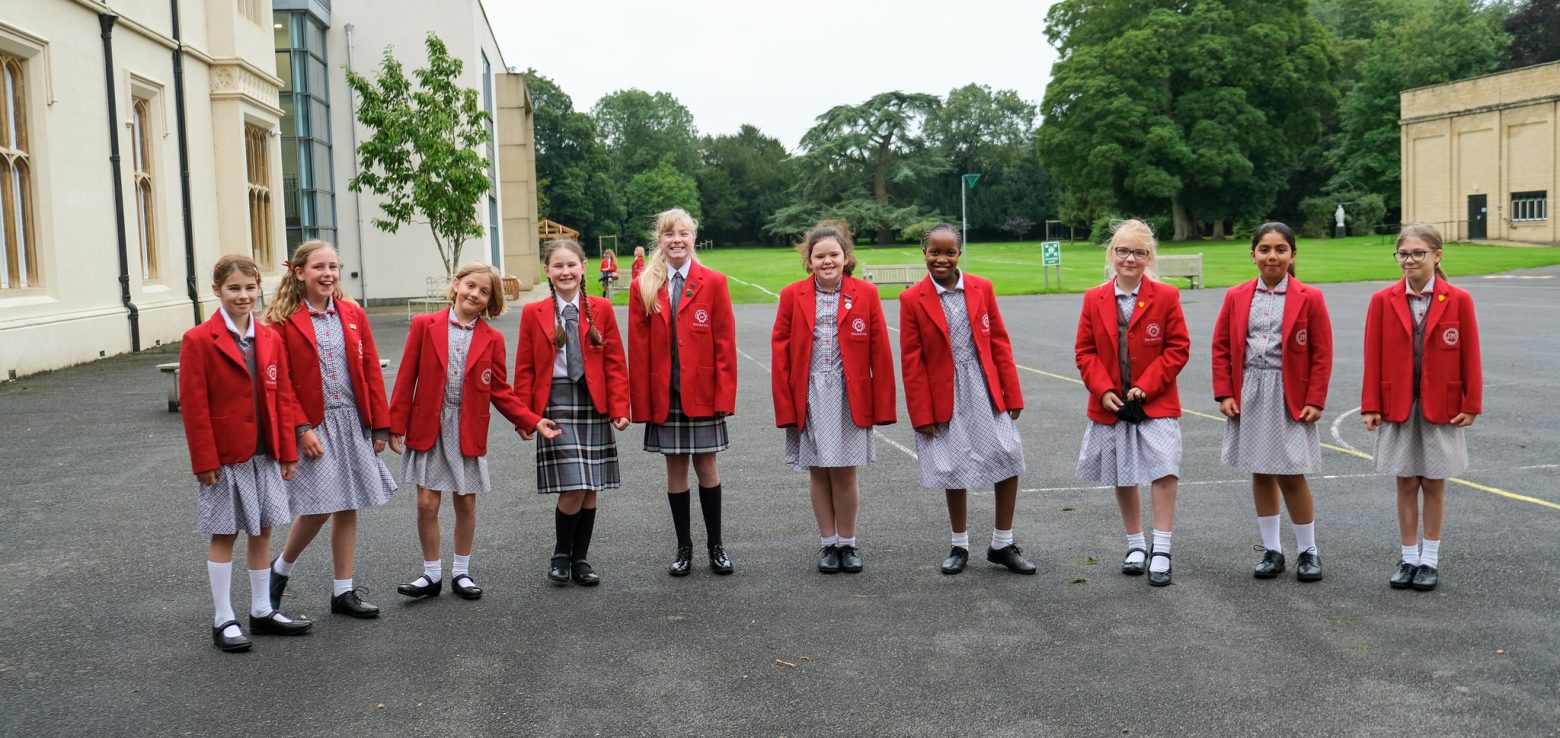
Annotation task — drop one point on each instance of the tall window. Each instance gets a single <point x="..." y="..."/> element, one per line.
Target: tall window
<point x="1529" y="207"/>
<point x="141" y="157"/>
<point x="497" y="254"/>
<point x="18" y="252"/>
<point x="309" y="198"/>
<point x="259" y="164"/>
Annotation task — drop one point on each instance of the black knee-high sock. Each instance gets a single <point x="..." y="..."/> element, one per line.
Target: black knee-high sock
<point x="709" y="504"/>
<point x="582" y="531"/>
<point x="680" y="513"/>
<point x="565" y="526"/>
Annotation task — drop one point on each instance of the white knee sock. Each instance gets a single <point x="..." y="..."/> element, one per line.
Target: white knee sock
<point x="1161" y="545"/>
<point x="221" y="576"/>
<point x="843" y="541"/>
<point x="1270" y="538"/>
<point x="1001" y="539"/>
<point x="1305" y="538"/>
<point x="282" y="566"/>
<point x="1135" y="540"/>
<point x="341" y="586"/>
<point x="461" y="566"/>
<point x="827" y="541"/>
<point x="1411" y="554"/>
<point x="1431" y="554"/>
<point x="962" y="540"/>
<point x="260" y="592"/>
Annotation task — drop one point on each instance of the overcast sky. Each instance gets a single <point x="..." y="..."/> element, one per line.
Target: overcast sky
<point x="777" y="65"/>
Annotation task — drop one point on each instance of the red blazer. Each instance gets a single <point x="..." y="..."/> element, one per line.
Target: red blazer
<point x="1451" y="380"/>
<point x="1306" y="337"/>
<point x="419" y="387"/>
<point x="926" y="357"/>
<point x="606" y="369"/>
<point x="303" y="357"/>
<point x="707" y="350"/>
<point x="638" y="267"/>
<point x="1156" y="338"/>
<point x="217" y="397"/>
<point x="865" y="355"/>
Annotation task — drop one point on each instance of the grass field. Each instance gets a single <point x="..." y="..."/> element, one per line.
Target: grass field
<point x="1015" y="267"/>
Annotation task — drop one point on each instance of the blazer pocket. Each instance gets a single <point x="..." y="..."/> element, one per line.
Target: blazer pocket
<point x="1300" y="337"/>
<point x="1448" y="336"/>
<point x="704" y="391"/>
<point x="1454" y="398"/>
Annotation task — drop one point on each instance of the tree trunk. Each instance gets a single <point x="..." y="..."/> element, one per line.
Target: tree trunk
<point x="1218" y="230"/>
<point x="1185" y="228"/>
<point x="885" y="236"/>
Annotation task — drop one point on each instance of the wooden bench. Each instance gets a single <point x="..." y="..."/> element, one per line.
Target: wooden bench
<point x="434" y="297"/>
<point x="893" y="273"/>
<point x="172" y="370"/>
<point x="1188" y="266"/>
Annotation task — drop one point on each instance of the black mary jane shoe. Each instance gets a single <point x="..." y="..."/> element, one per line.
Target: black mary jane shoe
<point x="1403" y="578"/>
<point x="829" y="559"/>
<point x="585" y="575"/>
<point x="1131" y="568"/>
<point x="720" y="563"/>
<point x="352" y="604"/>
<point x="278" y="586"/>
<point x="684" y="562"/>
<point x="239" y="642"/>
<point x="415" y="590"/>
<point x="558" y="569"/>
<point x="271" y="624"/>
<point x="465" y="587"/>
<point x="1271" y="565"/>
<point x="850" y="560"/>
<point x="1426" y="578"/>
<point x="1158" y="578"/>
<point x="1308" y="566"/>
<point x="1012" y="557"/>
<point x="958" y="558"/>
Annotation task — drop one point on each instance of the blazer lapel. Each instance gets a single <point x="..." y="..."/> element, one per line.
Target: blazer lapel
<point x="690" y="287"/>
<point x="1399" y="300"/>
<point x="1437" y="305"/>
<point x="1240" y="319"/>
<point x="808" y="302"/>
<point x="847" y="301"/>
<point x="549" y="320"/>
<point x="481" y="334"/>
<point x="1109" y="314"/>
<point x="440" y="335"/>
<point x="224" y="341"/>
<point x="305" y="325"/>
<point x="1145" y="300"/>
<point x="933" y="306"/>
<point x="1294" y="302"/>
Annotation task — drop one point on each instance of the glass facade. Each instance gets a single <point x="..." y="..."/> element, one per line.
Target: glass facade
<point x="496" y="249"/>
<point x="301" y="63"/>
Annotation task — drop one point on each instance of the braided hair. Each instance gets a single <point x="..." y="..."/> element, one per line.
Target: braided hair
<point x="560" y="336"/>
<point x="926" y="237"/>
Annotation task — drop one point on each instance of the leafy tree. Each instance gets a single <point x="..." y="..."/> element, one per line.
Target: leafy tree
<point x="991" y="133"/>
<point x="639" y="129"/>
<point x="421" y="155"/>
<point x="1535" y="34"/>
<point x="655" y="190"/>
<point x="574" y="184"/>
<point x="744" y="179"/>
<point x="1202" y="108"/>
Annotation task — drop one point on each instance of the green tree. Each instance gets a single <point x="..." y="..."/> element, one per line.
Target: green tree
<point x="421" y="153"/>
<point x="1201" y="108"/>
<point x="639" y="129"/>
<point x="1442" y="41"/>
<point x="992" y="133"/>
<point x="1535" y="34"/>
<point x="574" y="184"/>
<point x="655" y="190"/>
<point x="743" y="179"/>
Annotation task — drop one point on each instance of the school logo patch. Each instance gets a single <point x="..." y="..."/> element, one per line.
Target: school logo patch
<point x="270" y="372"/>
<point x="985" y="321"/>
<point x="487" y="376"/>
<point x="858" y="326"/>
<point x="1301" y="337"/>
<point x="1153" y="330"/>
<point x="360" y="348"/>
<point x="1450" y="336"/>
<point x="701" y="317"/>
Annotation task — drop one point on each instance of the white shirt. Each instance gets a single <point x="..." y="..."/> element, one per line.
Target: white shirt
<point x="233" y="327"/>
<point x="561" y="354"/>
<point x="1429" y="287"/>
<point x="959" y="285"/>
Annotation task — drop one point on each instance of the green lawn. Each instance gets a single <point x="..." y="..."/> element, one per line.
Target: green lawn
<point x="1015" y="267"/>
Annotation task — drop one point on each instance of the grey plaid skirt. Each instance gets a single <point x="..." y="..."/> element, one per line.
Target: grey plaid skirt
<point x="681" y="434"/>
<point x="585" y="456"/>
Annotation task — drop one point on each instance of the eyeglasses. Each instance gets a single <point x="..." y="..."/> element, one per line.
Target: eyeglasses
<point x="1412" y="257"/>
<point x="1123" y="252"/>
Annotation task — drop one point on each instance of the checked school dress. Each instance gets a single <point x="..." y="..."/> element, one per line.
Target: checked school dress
<point x="1416" y="447"/>
<point x="1124" y="454"/>
<point x="831" y="438"/>
<point x="1264" y="438"/>
<point x="442" y="467"/>
<point x="249" y="496"/>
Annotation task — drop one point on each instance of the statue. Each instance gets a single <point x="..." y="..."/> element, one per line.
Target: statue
<point x="1338" y="216"/>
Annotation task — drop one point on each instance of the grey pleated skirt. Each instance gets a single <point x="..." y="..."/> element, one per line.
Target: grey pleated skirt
<point x="831" y="438"/>
<point x="442" y="467"/>
<point x="1127" y="455"/>
<point x="978" y="446"/>
<point x="585" y="456"/>
<point x="1265" y="438"/>
<point x="681" y="434"/>
<point x="349" y="476"/>
<point x="1417" y="448"/>
<point x="248" y="497"/>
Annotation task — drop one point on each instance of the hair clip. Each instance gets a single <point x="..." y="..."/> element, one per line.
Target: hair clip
<point x="287" y="264"/>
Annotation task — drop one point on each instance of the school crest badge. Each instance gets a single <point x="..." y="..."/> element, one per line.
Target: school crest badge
<point x="858" y="327"/>
<point x="985" y="321"/>
<point x="701" y="317"/>
<point x="270" y="372"/>
<point x="1153" y="330"/>
<point x="1450" y="337"/>
<point x="1301" y="337"/>
<point x="487" y="376"/>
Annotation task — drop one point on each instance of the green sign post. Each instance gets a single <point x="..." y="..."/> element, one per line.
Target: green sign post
<point x="1051" y="256"/>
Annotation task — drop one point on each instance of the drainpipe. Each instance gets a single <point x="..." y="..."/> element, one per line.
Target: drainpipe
<point x="184" y="163"/>
<point x="106" y="22"/>
<point x="357" y="197"/>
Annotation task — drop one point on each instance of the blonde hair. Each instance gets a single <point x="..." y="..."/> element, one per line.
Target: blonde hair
<point x="1134" y="231"/>
<point x="495" y="306"/>
<point x="291" y="291"/>
<point x="1425" y="234"/>
<point x="639" y="252"/>
<point x="838" y="230"/>
<point x="655" y="274"/>
<point x="230" y="263"/>
<point x="573" y="247"/>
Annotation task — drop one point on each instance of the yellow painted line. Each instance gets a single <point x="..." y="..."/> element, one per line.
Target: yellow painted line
<point x="1504" y="493"/>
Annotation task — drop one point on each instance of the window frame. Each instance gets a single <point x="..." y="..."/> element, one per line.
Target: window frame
<point x="19" y="265"/>
<point x="1531" y="206"/>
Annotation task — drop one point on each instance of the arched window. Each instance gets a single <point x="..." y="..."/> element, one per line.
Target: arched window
<point x="141" y="158"/>
<point x="18" y="250"/>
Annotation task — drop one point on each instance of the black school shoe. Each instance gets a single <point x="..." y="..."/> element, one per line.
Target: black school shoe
<point x="558" y="569"/>
<point x="465" y="587"/>
<point x="1131" y="569"/>
<point x="414" y="590"/>
<point x="850" y="560"/>
<point x="1271" y="565"/>
<point x="720" y="563"/>
<point x="958" y="557"/>
<point x="1012" y="557"/>
<point x="1158" y="578"/>
<point x="351" y="604"/>
<point x="1403" y="578"/>
<point x="829" y="560"/>
<point x="1426" y="578"/>
<point x="239" y="642"/>
<point x="271" y="624"/>
<point x="1308" y="566"/>
<point x="684" y="562"/>
<point x="585" y="574"/>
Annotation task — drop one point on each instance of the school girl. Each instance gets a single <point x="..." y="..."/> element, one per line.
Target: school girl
<point x="1272" y="359"/>
<point x="608" y="269"/>
<point x="682" y="375"/>
<point x="832" y="379"/>
<point x="638" y="267"/>
<point x="961" y="387"/>
<point x="343" y="421"/>
<point x="236" y="403"/>
<point x="1132" y="342"/>
<point x="451" y="370"/>
<point x="1419" y="408"/>
<point x="570" y="361"/>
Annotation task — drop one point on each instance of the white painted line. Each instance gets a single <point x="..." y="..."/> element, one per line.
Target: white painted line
<point x="1339" y="437"/>
<point x="875" y="431"/>
<point x="758" y="287"/>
